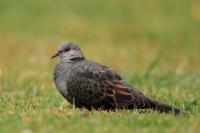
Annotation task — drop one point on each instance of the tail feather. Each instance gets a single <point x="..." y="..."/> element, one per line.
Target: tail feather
<point x="144" y="102"/>
<point x="164" y="108"/>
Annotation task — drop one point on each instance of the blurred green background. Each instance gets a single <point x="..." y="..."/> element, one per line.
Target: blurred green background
<point x="152" y="44"/>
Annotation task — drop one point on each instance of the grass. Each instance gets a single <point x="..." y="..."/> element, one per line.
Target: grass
<point x="153" y="45"/>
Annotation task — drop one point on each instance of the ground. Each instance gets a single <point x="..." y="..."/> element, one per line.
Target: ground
<point x="154" y="45"/>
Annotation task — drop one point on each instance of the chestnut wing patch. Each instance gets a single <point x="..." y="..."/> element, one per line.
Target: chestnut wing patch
<point x="119" y="94"/>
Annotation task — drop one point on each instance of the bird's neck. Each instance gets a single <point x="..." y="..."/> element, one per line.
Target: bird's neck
<point x="74" y="56"/>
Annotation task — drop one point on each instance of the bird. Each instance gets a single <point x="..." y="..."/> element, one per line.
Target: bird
<point x="87" y="84"/>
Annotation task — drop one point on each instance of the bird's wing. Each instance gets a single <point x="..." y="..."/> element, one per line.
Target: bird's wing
<point x="100" y="85"/>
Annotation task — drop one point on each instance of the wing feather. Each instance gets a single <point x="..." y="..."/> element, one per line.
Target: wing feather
<point x="105" y="83"/>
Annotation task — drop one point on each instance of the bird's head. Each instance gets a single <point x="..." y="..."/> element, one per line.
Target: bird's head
<point x="69" y="51"/>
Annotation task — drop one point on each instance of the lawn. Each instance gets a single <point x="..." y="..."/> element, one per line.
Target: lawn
<point x="153" y="44"/>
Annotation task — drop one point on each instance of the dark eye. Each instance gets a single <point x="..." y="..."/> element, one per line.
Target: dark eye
<point x="67" y="49"/>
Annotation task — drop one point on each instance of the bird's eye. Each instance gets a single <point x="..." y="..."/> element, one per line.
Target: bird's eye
<point x="67" y="49"/>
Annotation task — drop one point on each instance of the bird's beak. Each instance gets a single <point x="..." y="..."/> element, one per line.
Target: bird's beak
<point x="55" y="55"/>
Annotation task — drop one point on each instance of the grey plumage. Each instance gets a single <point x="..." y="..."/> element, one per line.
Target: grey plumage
<point x="91" y="85"/>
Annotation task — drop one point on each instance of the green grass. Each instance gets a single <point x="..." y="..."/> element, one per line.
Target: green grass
<point x="154" y="45"/>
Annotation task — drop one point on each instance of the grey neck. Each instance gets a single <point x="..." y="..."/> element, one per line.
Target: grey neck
<point x="73" y="56"/>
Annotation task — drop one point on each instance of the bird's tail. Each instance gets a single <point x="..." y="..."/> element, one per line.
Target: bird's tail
<point x="161" y="107"/>
<point x="144" y="102"/>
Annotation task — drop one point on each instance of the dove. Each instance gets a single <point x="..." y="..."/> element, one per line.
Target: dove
<point x="87" y="84"/>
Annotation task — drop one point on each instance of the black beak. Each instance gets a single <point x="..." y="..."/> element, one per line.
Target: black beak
<point x="55" y="55"/>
